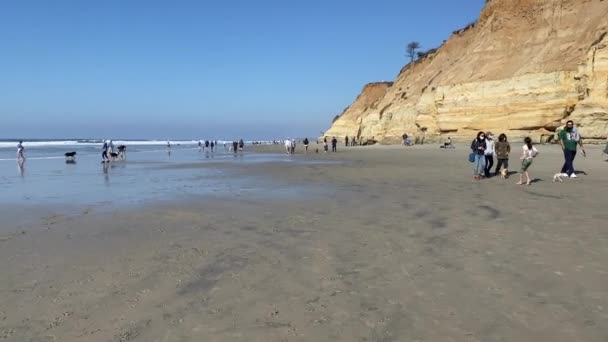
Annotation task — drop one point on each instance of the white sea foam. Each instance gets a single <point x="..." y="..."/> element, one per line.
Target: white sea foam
<point x="99" y="142"/>
<point x="34" y="144"/>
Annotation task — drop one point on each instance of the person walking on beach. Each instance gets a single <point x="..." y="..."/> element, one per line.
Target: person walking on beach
<point x="293" y="146"/>
<point x="104" y="152"/>
<point x="305" y="142"/>
<point x="529" y="153"/>
<point x="212" y="146"/>
<point x="478" y="147"/>
<point x="334" y="144"/>
<point x="111" y="147"/>
<point x="570" y="139"/>
<point x="346" y="141"/>
<point x="241" y="145"/>
<point x="20" y="150"/>
<point x="200" y="146"/>
<point x="168" y="145"/>
<point x="325" y="144"/>
<point x="288" y="145"/>
<point x="489" y="154"/>
<point x="503" y="148"/>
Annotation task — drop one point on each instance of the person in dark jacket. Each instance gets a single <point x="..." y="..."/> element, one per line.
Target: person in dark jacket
<point x="334" y="144"/>
<point x="502" y="148"/>
<point x="478" y="147"/>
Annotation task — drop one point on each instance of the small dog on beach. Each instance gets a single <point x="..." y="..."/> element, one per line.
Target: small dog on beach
<point x="504" y="173"/>
<point x="70" y="155"/>
<point x="114" y="155"/>
<point x="558" y="177"/>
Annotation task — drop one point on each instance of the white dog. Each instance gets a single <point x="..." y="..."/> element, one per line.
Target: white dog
<point x="558" y="177"/>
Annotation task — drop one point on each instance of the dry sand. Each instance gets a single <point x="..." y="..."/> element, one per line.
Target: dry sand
<point x="400" y="245"/>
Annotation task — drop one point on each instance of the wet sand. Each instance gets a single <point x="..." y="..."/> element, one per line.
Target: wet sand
<point x="401" y="244"/>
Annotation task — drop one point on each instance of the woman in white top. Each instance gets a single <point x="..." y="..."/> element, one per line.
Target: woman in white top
<point x="489" y="153"/>
<point x="529" y="153"/>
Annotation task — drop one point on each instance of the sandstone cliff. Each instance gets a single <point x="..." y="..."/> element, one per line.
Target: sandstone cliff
<point x="524" y="68"/>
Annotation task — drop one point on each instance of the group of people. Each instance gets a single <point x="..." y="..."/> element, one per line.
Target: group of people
<point x="334" y="144"/>
<point x="109" y="153"/>
<point x="352" y="142"/>
<point x="290" y="144"/>
<point x="484" y="148"/>
<point x="237" y="146"/>
<point x="207" y="145"/>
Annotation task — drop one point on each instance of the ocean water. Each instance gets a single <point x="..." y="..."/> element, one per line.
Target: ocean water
<point x="146" y="176"/>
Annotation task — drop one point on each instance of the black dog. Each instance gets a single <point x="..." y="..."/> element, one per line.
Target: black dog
<point x="70" y="155"/>
<point x="122" y="152"/>
<point x="113" y="155"/>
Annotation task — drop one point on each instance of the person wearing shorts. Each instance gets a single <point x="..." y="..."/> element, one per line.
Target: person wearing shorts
<point x="529" y="153"/>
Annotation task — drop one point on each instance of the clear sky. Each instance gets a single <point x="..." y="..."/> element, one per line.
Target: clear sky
<point x="190" y="69"/>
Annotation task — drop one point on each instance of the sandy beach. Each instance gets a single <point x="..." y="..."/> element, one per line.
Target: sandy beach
<point x="380" y="243"/>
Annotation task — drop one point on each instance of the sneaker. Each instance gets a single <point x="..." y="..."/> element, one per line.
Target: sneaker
<point x="573" y="175"/>
<point x="564" y="174"/>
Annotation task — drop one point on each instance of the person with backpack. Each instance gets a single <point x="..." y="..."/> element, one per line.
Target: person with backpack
<point x="305" y="142"/>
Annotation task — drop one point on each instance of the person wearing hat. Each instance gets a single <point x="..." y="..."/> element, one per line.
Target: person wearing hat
<point x="489" y="153"/>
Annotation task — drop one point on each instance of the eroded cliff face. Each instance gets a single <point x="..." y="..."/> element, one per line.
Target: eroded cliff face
<point x="526" y="67"/>
<point x="369" y="97"/>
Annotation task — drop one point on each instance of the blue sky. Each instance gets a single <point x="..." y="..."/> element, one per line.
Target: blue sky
<point x="190" y="69"/>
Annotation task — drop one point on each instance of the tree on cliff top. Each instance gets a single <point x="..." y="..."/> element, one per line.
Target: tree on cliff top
<point x="411" y="50"/>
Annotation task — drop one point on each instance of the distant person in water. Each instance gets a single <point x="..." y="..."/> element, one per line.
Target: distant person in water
<point x="199" y="146"/>
<point x="104" y="152"/>
<point x="241" y="145"/>
<point x="235" y="146"/>
<point x="305" y="142"/>
<point x="334" y="144"/>
<point x="168" y="145"/>
<point x="206" y="145"/>
<point x="212" y="146"/>
<point x="20" y="150"/>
